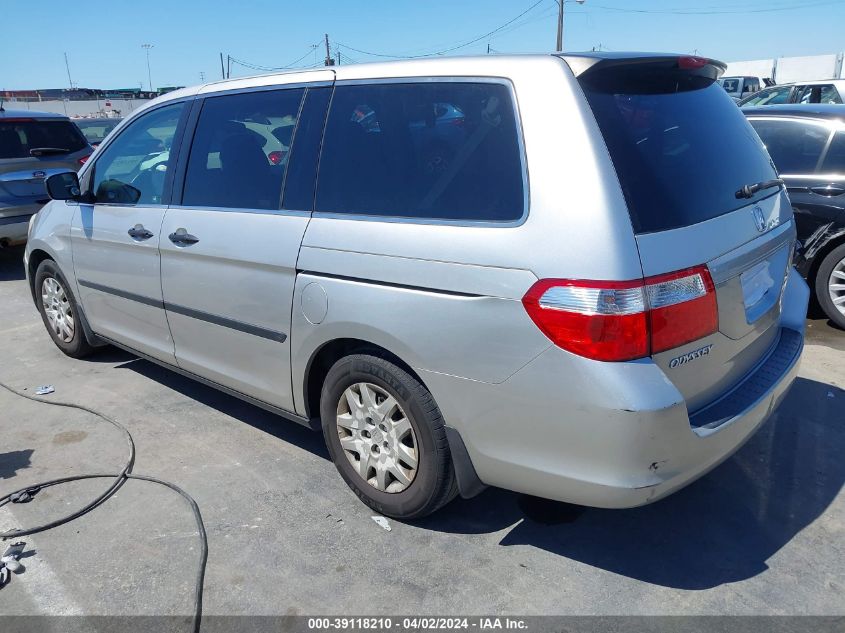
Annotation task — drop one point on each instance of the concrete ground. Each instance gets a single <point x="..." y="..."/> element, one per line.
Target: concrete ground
<point x="762" y="534"/>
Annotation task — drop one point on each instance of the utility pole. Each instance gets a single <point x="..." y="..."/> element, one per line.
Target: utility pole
<point x="560" y="4"/>
<point x="67" y="65"/>
<point x="222" y="68"/>
<point x="329" y="60"/>
<point x="228" y="66"/>
<point x="149" y="74"/>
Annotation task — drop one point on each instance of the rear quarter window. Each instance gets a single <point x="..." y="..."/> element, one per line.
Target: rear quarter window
<point x="428" y="150"/>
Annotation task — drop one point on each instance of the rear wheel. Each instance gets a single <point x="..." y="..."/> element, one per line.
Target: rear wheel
<point x="59" y="310"/>
<point x="386" y="437"/>
<point x="830" y="285"/>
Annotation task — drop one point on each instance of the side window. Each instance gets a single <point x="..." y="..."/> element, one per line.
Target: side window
<point x="240" y="150"/>
<point x="829" y="94"/>
<point x="436" y="150"/>
<point x="133" y="167"/>
<point x="834" y="162"/>
<point x="820" y="94"/>
<point x="795" y="146"/>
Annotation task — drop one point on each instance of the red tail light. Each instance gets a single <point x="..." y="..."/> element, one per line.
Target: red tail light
<point x="276" y="156"/>
<point x="618" y="321"/>
<point x="83" y="160"/>
<point x="689" y="62"/>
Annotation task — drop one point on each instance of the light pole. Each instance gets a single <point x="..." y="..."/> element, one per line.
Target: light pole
<point x="149" y="75"/>
<point x="560" y="4"/>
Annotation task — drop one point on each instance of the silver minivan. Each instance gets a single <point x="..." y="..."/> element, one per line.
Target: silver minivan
<point x="565" y="275"/>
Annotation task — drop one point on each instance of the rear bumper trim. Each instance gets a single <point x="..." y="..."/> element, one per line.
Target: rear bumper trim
<point x="754" y="388"/>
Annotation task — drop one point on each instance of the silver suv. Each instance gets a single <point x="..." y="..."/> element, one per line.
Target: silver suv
<point x="33" y="146"/>
<point x="568" y="276"/>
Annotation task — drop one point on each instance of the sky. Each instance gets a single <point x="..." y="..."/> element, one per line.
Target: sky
<point x="103" y="39"/>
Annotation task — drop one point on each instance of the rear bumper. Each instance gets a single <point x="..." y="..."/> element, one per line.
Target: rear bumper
<point x="612" y="435"/>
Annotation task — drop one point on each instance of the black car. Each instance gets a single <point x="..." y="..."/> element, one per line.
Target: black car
<point x="807" y="145"/>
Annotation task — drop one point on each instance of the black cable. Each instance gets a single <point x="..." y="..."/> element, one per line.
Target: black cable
<point x="119" y="479"/>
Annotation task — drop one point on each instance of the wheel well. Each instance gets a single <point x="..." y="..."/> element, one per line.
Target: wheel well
<point x="819" y="258"/>
<point x="35" y="258"/>
<point x="325" y="357"/>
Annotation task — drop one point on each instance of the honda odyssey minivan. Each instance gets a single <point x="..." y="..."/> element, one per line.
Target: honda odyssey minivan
<point x="565" y="275"/>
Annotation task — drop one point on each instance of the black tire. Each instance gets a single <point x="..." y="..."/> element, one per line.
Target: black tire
<point x="434" y="483"/>
<point x="77" y="346"/>
<point x="821" y="283"/>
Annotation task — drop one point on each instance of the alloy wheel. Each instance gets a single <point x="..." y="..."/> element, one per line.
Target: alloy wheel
<point x="836" y="286"/>
<point x="58" y="310"/>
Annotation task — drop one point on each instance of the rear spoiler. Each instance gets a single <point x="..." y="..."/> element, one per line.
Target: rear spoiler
<point x="584" y="63"/>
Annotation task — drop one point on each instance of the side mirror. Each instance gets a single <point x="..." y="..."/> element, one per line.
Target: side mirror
<point x="64" y="186"/>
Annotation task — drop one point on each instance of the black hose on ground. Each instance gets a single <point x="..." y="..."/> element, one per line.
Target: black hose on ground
<point x="118" y="480"/>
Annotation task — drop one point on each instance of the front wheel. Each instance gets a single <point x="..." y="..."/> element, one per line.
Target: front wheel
<point x="386" y="436"/>
<point x="830" y="285"/>
<point x="59" y="310"/>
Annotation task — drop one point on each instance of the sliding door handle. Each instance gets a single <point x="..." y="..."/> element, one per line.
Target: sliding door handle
<point x="181" y="237"/>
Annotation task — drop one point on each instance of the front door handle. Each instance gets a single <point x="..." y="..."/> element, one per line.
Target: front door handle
<point x="828" y="190"/>
<point x="181" y="237"/>
<point x="138" y="232"/>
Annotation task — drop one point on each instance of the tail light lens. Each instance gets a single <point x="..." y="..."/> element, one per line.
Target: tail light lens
<point x="276" y="156"/>
<point x="83" y="160"/>
<point x="618" y="321"/>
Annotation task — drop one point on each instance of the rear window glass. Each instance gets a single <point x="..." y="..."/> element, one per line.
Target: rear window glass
<point x="795" y="146"/>
<point x="17" y="137"/>
<point x="680" y="146"/>
<point x="433" y="150"/>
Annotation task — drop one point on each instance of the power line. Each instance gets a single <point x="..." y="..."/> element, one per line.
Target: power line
<point x="292" y="64"/>
<point x="450" y="49"/>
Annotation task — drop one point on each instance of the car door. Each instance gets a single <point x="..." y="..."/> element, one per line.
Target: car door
<point x="115" y="238"/>
<point x="230" y="248"/>
<point x="797" y="147"/>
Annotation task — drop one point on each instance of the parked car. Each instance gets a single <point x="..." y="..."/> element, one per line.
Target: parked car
<point x="33" y="145"/>
<point x="739" y="87"/>
<point x="592" y="303"/>
<point x="823" y="91"/>
<point x="95" y="130"/>
<point x="807" y="144"/>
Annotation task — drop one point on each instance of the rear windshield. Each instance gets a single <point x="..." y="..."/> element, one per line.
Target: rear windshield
<point x="18" y="136"/>
<point x="680" y="146"/>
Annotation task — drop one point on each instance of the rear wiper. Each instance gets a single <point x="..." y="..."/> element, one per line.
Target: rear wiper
<point x="48" y="151"/>
<point x="748" y="191"/>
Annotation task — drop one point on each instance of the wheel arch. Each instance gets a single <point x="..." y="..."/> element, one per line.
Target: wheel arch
<point x="36" y="256"/>
<point x="326" y="355"/>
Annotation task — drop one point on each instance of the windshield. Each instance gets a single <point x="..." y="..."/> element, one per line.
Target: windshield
<point x="18" y="136"/>
<point x="768" y="97"/>
<point x="680" y="146"/>
<point x="96" y="130"/>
